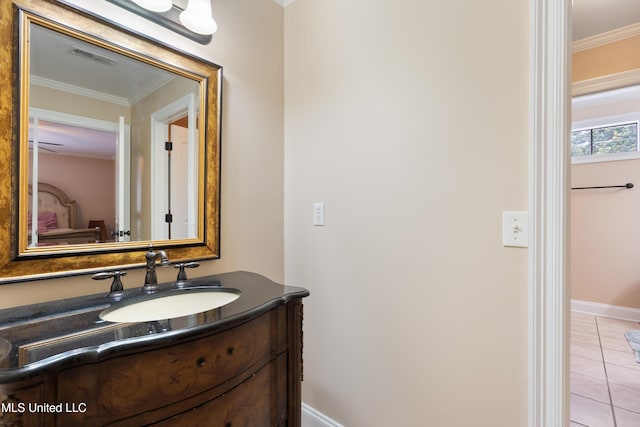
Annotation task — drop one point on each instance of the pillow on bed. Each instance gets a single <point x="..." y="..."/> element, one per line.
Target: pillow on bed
<point x="46" y="221"/>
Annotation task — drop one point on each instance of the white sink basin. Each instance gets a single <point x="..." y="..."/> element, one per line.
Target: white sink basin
<point x="168" y="305"/>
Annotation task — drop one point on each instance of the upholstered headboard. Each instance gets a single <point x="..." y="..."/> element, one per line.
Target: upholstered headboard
<point x="53" y="199"/>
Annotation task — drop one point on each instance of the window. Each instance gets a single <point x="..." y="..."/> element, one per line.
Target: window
<point x="620" y="138"/>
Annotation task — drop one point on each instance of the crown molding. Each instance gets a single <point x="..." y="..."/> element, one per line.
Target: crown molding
<point x="606" y="38"/>
<point x="76" y="90"/>
<point x="148" y="89"/>
<point x="608" y="82"/>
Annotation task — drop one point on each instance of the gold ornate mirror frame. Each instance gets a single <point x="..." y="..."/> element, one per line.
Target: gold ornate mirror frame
<point x="16" y="262"/>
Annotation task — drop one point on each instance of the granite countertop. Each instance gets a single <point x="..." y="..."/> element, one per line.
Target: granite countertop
<point x="61" y="333"/>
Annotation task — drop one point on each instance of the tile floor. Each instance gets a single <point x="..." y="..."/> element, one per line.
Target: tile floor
<point x="605" y="378"/>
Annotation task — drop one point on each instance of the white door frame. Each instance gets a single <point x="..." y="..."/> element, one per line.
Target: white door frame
<point x="123" y="183"/>
<point x="549" y="171"/>
<point x="159" y="132"/>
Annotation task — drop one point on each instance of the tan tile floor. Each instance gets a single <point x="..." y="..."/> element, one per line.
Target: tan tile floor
<point x="605" y="378"/>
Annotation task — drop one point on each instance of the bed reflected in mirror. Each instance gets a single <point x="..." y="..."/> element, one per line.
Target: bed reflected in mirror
<point x="57" y="220"/>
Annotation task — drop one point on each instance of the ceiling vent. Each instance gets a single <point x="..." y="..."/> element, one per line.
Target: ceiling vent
<point x="83" y="53"/>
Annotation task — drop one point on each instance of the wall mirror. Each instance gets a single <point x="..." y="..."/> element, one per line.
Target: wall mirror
<point x="110" y="144"/>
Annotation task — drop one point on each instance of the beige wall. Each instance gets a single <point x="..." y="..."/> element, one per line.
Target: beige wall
<point x="249" y="46"/>
<point x="605" y="233"/>
<point x="409" y="120"/>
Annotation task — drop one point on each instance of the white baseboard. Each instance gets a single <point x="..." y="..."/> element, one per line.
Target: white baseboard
<point x="606" y="310"/>
<point x="313" y="418"/>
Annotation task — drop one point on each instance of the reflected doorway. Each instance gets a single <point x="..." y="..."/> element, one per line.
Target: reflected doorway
<point x="174" y="182"/>
<point x="78" y="155"/>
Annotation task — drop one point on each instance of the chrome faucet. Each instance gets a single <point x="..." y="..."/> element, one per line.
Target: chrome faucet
<point x="117" y="290"/>
<point x="151" y="279"/>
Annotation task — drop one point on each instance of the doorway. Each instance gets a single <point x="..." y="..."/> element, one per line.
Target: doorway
<point x="549" y="175"/>
<point x="175" y="151"/>
<point x="604" y="375"/>
<point x="79" y="155"/>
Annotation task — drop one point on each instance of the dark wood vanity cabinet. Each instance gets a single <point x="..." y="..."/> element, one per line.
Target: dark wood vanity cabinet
<point x="15" y="399"/>
<point x="248" y="374"/>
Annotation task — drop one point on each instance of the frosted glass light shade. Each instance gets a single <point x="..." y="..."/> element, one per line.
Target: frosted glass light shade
<point x="198" y="18"/>
<point x="155" y="5"/>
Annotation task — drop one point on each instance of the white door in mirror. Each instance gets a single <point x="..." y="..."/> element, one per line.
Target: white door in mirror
<point x="515" y="229"/>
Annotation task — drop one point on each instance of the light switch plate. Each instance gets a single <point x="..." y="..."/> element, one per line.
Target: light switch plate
<point x="515" y="229"/>
<point x="318" y="213"/>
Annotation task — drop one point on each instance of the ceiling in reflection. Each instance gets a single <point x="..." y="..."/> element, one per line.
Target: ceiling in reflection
<point x="75" y="66"/>
<point x="592" y="17"/>
<point x="69" y="140"/>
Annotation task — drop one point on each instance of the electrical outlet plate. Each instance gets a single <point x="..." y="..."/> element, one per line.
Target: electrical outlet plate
<point x="515" y="229"/>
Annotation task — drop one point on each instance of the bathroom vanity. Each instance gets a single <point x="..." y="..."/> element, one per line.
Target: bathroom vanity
<point x="235" y="362"/>
<point x="236" y="365"/>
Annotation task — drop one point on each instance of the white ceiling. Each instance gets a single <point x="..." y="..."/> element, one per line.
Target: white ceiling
<point x="70" y="140"/>
<point x="592" y="17"/>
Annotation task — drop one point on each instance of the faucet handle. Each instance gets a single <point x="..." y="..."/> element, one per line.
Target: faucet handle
<point x="182" y="274"/>
<point x="117" y="290"/>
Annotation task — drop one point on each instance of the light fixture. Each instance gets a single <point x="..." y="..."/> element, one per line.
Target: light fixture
<point x="189" y="18"/>
<point x="198" y="18"/>
<point x="155" y="5"/>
